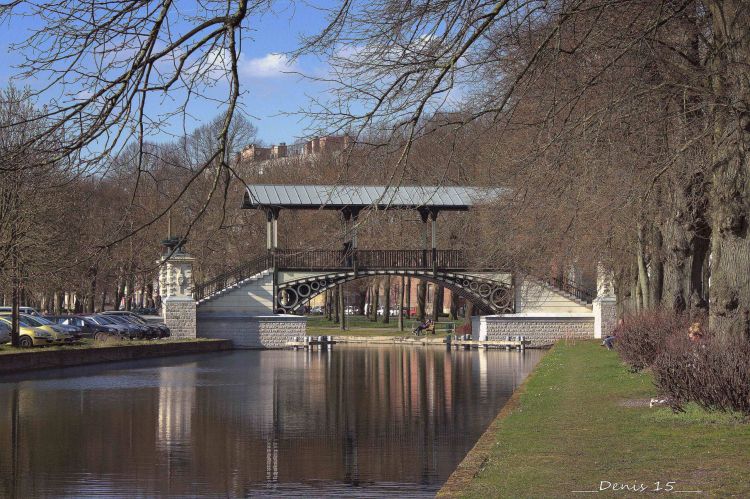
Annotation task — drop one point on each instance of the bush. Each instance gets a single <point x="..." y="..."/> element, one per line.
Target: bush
<point x="641" y="338"/>
<point x="714" y="373"/>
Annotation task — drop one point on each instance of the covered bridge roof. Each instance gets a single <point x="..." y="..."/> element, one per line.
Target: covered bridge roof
<point x="338" y="197"/>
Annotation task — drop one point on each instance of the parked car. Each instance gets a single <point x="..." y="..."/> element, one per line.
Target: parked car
<point x="150" y="331"/>
<point x="89" y="328"/>
<point x="4" y="332"/>
<point x="133" y="331"/>
<point x="132" y="316"/>
<point x="68" y="328"/>
<point x="21" y="310"/>
<point x="316" y="310"/>
<point x="121" y="329"/>
<point x="29" y="336"/>
<point x="58" y="334"/>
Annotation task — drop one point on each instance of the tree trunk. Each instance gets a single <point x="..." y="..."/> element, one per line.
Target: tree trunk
<point x="361" y="300"/>
<point x="642" y="272"/>
<point x="468" y="310"/>
<point x="90" y="302"/>
<point x="729" y="201"/>
<point x="387" y="300"/>
<point x="421" y="300"/>
<point x="375" y="303"/>
<point x="401" y="286"/>
<point x="335" y="304"/>
<point x="454" y="306"/>
<point x="407" y="292"/>
<point x="437" y="303"/>
<point x="341" y="306"/>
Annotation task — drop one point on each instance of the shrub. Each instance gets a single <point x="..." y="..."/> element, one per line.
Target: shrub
<point x="714" y="373"/>
<point x="641" y="338"/>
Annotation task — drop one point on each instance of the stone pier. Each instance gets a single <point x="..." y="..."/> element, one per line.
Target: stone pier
<point x="175" y="288"/>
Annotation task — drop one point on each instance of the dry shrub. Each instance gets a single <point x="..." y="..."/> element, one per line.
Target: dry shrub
<point x="641" y="338"/>
<point x="714" y="373"/>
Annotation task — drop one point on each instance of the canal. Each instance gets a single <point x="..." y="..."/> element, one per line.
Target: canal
<point x="353" y="421"/>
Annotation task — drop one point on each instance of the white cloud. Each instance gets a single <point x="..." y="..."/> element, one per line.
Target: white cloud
<point x="268" y="66"/>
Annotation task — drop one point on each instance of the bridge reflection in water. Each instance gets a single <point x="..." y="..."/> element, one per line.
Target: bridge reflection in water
<point x="349" y="421"/>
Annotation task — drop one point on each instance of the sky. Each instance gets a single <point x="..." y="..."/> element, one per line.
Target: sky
<point x="268" y="91"/>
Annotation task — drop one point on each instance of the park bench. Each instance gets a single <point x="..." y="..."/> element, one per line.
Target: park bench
<point x="443" y="327"/>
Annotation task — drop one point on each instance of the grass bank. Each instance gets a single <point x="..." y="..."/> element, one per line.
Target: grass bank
<point x="582" y="419"/>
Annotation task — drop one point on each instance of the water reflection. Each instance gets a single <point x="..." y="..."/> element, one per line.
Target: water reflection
<point x="352" y="421"/>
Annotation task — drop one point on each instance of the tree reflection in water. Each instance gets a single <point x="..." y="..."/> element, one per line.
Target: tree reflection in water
<point x="381" y="419"/>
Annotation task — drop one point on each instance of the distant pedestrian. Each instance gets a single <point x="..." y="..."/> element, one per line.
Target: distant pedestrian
<point x="609" y="340"/>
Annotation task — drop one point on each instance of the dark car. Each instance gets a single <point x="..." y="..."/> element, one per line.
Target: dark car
<point x="163" y="329"/>
<point x="141" y="331"/>
<point x="152" y="330"/>
<point x="126" y="330"/>
<point x="90" y="328"/>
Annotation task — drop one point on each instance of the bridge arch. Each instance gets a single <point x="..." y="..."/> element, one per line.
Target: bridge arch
<point x="489" y="292"/>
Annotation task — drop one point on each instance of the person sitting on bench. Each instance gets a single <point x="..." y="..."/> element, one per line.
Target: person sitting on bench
<point x="424" y="326"/>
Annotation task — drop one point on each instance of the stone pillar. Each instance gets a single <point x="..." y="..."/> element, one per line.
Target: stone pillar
<point x="176" y="289"/>
<point x="605" y="304"/>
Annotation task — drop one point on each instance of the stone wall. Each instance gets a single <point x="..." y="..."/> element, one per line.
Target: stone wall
<point x="540" y="329"/>
<point x="54" y="359"/>
<point x="605" y="312"/>
<point x="248" y="331"/>
<point x="179" y="316"/>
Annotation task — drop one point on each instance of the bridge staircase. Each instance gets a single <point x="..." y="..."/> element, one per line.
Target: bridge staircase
<point x="251" y="278"/>
<point x="568" y="290"/>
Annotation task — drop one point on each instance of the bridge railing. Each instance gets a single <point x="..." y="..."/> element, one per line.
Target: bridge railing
<point x="237" y="274"/>
<point x="369" y="259"/>
<point x="311" y="259"/>
<point x="567" y="286"/>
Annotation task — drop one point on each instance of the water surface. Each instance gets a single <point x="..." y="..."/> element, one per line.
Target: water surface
<point x="354" y="421"/>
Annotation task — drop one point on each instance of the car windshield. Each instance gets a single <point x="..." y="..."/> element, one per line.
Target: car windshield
<point x="43" y="320"/>
<point x="117" y="320"/>
<point x="136" y="319"/>
<point x="27" y="321"/>
<point x="100" y="319"/>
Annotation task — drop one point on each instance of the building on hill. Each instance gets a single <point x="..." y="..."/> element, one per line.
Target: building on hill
<point x="315" y="146"/>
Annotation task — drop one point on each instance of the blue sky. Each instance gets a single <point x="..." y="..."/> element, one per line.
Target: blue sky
<point x="268" y="91"/>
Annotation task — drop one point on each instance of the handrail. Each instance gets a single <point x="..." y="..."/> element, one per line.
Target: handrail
<point x="235" y="275"/>
<point x="566" y="286"/>
<point x="370" y="259"/>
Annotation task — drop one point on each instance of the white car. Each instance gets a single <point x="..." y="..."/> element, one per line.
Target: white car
<point x="21" y="310"/>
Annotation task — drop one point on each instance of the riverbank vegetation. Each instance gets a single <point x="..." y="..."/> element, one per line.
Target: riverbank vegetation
<point x="689" y="361"/>
<point x="583" y="418"/>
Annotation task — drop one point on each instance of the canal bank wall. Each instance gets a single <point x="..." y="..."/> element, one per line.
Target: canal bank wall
<point x="477" y="457"/>
<point x="11" y="363"/>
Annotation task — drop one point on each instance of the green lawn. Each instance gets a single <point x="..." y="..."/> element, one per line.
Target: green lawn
<point x="577" y="422"/>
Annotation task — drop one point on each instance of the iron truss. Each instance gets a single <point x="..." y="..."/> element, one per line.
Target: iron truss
<point x="487" y="294"/>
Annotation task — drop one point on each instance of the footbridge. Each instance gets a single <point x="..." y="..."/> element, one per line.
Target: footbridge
<point x="283" y="281"/>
